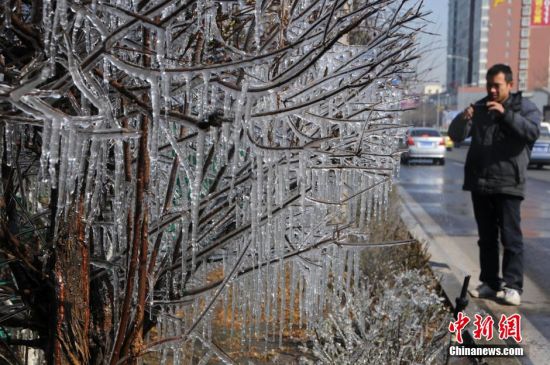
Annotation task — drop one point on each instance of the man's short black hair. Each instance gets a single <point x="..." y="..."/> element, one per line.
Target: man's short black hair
<point x="498" y="68"/>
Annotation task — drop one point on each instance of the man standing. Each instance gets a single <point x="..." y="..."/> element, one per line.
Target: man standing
<point x="503" y="127"/>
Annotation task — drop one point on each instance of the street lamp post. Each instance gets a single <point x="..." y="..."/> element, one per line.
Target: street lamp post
<point x="437" y="111"/>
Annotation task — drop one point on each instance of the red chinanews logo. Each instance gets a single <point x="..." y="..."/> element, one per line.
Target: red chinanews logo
<point x="508" y="327"/>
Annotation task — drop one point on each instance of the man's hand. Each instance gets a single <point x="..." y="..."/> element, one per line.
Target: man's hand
<point x="468" y="113"/>
<point x="495" y="107"/>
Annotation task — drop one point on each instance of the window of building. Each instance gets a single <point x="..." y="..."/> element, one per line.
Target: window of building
<point x="522" y="85"/>
<point x="524" y="53"/>
<point x="523" y="64"/>
<point x="523" y="75"/>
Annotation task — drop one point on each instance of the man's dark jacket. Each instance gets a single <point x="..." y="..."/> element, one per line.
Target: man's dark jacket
<point x="501" y="145"/>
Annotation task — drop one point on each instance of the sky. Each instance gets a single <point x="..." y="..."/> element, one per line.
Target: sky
<point x="434" y="47"/>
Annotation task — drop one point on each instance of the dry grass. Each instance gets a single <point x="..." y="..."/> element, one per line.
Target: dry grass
<point x="379" y="263"/>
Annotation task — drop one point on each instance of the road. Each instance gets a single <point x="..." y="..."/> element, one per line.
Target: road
<point x="434" y="196"/>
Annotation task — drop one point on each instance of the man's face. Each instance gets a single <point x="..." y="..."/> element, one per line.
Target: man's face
<point x="498" y="89"/>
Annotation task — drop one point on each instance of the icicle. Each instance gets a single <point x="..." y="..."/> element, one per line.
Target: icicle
<point x="282" y="302"/>
<point x="324" y="280"/>
<point x="106" y="72"/>
<point x="214" y="100"/>
<point x="357" y="269"/>
<point x="258" y="24"/>
<point x="292" y="295"/>
<point x="226" y="104"/>
<point x="203" y="109"/>
<point x="187" y="79"/>
<point x="349" y="271"/>
<point x="385" y="202"/>
<point x="274" y="299"/>
<point x="166" y="80"/>
<point x="54" y="150"/>
<point x="161" y="44"/>
<point x="349" y="191"/>
<point x="195" y="191"/>
<point x="233" y="313"/>
<point x="95" y="150"/>
<point x="118" y="194"/>
<point x="241" y="101"/>
<point x="243" y="313"/>
<point x="258" y="289"/>
<point x="164" y="356"/>
<point x="151" y="287"/>
<point x="10" y="139"/>
<point x="267" y="313"/>
<point x="235" y="163"/>
<point x="78" y="20"/>
<point x="301" y="304"/>
<point x="377" y="198"/>
<point x="45" y="155"/>
<point x="154" y="134"/>
<point x="63" y="167"/>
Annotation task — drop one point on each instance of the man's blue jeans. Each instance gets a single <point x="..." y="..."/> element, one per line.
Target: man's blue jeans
<point x="499" y="215"/>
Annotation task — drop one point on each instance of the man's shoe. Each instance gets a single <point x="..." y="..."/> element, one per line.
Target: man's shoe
<point x="511" y="297"/>
<point x="484" y="291"/>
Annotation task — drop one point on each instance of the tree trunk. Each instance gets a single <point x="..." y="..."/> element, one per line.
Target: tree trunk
<point x="69" y="339"/>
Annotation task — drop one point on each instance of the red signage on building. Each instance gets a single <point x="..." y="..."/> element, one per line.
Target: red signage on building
<point x="540" y="12"/>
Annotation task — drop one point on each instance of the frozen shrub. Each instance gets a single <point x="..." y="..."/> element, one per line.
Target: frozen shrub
<point x="392" y="322"/>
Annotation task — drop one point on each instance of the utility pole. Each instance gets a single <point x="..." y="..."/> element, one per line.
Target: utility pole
<point x="437" y="111"/>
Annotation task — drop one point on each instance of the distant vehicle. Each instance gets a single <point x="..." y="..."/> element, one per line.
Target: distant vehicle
<point x="424" y="143"/>
<point x="448" y="141"/>
<point x="540" y="155"/>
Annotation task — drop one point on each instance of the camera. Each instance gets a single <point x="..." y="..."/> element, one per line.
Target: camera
<point x="480" y="105"/>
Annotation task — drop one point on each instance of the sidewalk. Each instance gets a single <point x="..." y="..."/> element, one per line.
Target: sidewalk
<point x="451" y="259"/>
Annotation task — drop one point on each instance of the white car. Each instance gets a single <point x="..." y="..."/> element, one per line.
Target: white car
<point x="424" y="143"/>
<point x="540" y="155"/>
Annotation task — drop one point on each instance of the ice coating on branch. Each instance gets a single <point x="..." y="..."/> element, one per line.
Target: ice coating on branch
<point x="155" y="121"/>
<point x="196" y="190"/>
<point x="269" y="142"/>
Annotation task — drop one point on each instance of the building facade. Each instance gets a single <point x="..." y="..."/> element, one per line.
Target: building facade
<point x="485" y="32"/>
<point x="459" y="51"/>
